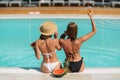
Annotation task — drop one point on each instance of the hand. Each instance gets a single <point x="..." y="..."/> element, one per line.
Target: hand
<point x="90" y="12"/>
<point x="56" y="35"/>
<point x="65" y="33"/>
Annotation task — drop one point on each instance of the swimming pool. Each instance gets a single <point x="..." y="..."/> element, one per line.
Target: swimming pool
<point x="16" y="34"/>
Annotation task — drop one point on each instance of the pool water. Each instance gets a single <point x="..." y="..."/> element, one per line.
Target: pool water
<point x="16" y="35"/>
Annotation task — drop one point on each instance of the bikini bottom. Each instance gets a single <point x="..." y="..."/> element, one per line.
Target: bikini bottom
<point x="51" y="66"/>
<point x="75" y="66"/>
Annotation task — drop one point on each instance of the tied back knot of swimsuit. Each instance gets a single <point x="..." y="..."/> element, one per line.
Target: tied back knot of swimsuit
<point x="48" y="55"/>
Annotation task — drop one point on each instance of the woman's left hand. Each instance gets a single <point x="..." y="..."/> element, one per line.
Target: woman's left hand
<point x="56" y="35"/>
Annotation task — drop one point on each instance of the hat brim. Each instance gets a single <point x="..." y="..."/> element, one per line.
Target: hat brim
<point x="48" y="33"/>
<point x="48" y="28"/>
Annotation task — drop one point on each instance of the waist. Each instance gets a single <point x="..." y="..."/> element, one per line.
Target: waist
<point x="76" y="59"/>
<point x="50" y="60"/>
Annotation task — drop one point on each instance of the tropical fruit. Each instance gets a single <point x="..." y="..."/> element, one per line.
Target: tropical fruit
<point x="59" y="73"/>
<point x="33" y="44"/>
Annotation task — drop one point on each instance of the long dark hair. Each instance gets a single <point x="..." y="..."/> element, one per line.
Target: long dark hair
<point x="44" y="37"/>
<point x="72" y="31"/>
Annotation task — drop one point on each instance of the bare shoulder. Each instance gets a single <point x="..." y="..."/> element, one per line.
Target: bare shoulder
<point x="38" y="41"/>
<point x="79" y="40"/>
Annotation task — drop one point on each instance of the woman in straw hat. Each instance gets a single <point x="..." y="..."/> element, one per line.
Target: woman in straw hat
<point x="72" y="44"/>
<point x="47" y="46"/>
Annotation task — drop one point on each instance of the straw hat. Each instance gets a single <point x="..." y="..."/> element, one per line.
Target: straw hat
<point x="48" y="28"/>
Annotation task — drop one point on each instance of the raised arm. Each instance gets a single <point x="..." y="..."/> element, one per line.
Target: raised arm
<point x="89" y="35"/>
<point x="63" y="35"/>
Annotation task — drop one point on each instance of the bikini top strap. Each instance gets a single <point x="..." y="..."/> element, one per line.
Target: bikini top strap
<point x="73" y="50"/>
<point x="47" y="54"/>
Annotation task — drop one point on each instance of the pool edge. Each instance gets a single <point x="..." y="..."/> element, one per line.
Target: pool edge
<point x="17" y="73"/>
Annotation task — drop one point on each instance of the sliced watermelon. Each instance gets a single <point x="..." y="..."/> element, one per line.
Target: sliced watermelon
<point x="59" y="73"/>
<point x="33" y="44"/>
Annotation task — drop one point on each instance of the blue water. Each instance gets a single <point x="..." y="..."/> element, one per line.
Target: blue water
<point x="16" y="35"/>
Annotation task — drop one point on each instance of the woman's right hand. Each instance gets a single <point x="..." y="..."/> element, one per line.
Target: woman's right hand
<point x="65" y="33"/>
<point x="90" y="12"/>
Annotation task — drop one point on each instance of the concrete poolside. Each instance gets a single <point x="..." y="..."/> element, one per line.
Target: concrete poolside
<point x="34" y="74"/>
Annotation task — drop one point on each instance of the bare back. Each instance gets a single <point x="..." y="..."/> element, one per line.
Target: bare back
<point x="72" y="49"/>
<point x="48" y="46"/>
